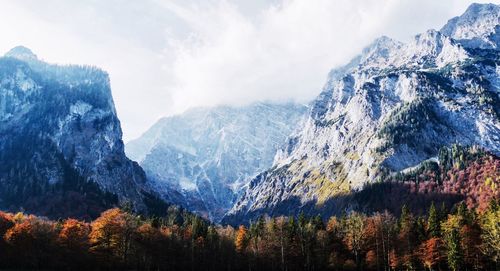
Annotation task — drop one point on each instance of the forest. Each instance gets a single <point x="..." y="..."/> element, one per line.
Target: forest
<point x="412" y="223"/>
<point x="442" y="239"/>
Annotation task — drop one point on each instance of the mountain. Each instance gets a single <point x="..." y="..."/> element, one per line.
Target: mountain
<point x="202" y="158"/>
<point x="478" y="27"/>
<point x="61" y="152"/>
<point x="457" y="174"/>
<point x="388" y="110"/>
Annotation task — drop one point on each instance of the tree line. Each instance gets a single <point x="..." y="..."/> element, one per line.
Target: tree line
<point x="443" y="239"/>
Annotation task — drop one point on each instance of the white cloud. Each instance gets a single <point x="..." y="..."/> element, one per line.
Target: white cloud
<point x="286" y="51"/>
<point x="165" y="56"/>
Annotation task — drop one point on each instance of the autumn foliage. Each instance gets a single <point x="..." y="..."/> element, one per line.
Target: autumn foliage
<point x="458" y="174"/>
<point x="241" y="239"/>
<point x="465" y="239"/>
<point x="441" y="235"/>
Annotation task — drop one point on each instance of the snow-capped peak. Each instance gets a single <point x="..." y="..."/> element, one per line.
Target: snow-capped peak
<point x="433" y="44"/>
<point x="21" y="53"/>
<point x="380" y="50"/>
<point x="425" y="50"/>
<point x="478" y="27"/>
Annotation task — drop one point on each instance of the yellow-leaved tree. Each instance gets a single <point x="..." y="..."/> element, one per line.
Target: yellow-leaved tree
<point x="241" y="239"/>
<point x="112" y="233"/>
<point x="491" y="233"/>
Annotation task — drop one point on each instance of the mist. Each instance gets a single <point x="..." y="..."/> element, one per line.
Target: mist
<point x="166" y="56"/>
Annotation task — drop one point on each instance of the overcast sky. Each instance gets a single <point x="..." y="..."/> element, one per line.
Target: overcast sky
<point x="164" y="56"/>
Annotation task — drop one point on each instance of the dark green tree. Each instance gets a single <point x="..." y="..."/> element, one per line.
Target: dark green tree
<point x="433" y="222"/>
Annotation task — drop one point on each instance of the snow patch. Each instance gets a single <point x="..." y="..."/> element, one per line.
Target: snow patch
<point x="80" y="108"/>
<point x="186" y="184"/>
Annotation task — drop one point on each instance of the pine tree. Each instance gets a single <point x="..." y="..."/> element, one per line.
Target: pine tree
<point x="433" y="224"/>
<point x="407" y="238"/>
<point x="317" y="221"/>
<point x="451" y="233"/>
<point x="463" y="213"/>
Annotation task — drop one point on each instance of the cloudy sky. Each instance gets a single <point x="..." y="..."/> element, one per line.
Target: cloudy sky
<point x="164" y="56"/>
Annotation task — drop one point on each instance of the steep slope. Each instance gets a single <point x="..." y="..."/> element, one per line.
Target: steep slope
<point x="458" y="173"/>
<point x="61" y="152"/>
<point x="389" y="109"/>
<point x="478" y="27"/>
<point x="202" y="158"/>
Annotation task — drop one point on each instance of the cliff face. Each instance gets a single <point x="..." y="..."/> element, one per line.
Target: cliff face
<point x="61" y="151"/>
<point x="389" y="109"/>
<point x="203" y="158"/>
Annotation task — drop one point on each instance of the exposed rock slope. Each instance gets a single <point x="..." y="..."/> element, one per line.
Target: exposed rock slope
<point x="61" y="151"/>
<point x="389" y="109"/>
<point x="202" y="158"/>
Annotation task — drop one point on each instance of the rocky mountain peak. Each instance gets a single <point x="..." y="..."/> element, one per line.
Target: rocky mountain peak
<point x="60" y="134"/>
<point x="380" y="50"/>
<point x="21" y="53"/>
<point x="391" y="108"/>
<point x="432" y="48"/>
<point x="203" y="157"/>
<point x="477" y="27"/>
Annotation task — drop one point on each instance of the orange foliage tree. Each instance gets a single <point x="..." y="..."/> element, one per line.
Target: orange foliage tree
<point x="430" y="252"/>
<point x="112" y="233"/>
<point x="6" y="222"/>
<point x="74" y="235"/>
<point x="32" y="239"/>
<point x="241" y="239"/>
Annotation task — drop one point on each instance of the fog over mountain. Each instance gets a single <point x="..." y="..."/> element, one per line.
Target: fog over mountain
<point x="391" y="108"/>
<point x="203" y="158"/>
<point x="166" y="56"/>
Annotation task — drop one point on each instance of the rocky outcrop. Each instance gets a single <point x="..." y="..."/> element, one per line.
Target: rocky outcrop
<point x="389" y="109"/>
<point x="61" y="152"/>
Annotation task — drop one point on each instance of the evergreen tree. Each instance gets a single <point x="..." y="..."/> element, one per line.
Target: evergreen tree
<point x="407" y="237"/>
<point x="451" y="234"/>
<point x="433" y="223"/>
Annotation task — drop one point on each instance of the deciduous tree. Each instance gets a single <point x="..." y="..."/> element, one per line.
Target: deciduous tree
<point x="241" y="239"/>
<point x="430" y="252"/>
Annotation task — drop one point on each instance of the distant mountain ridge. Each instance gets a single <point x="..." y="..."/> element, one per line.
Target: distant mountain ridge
<point x="389" y="109"/>
<point x="61" y="152"/>
<point x="202" y="158"/>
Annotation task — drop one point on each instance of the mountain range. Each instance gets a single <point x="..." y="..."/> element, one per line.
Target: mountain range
<point x="395" y="110"/>
<point x="202" y="158"/>
<point x="391" y="108"/>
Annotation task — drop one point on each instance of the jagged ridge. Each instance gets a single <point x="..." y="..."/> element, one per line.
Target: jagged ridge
<point x="389" y="109"/>
<point x="202" y="158"/>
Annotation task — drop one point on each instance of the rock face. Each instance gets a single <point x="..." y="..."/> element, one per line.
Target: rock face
<point x="478" y="27"/>
<point x="61" y="152"/>
<point x="389" y="109"/>
<point x="202" y="158"/>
